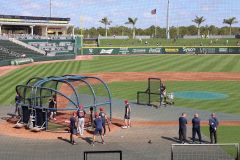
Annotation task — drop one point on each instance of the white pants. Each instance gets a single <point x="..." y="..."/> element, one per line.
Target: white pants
<point x="81" y="122"/>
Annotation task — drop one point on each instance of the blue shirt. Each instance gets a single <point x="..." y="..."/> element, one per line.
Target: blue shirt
<point x="182" y="122"/>
<point x="98" y="123"/>
<point x="213" y="122"/>
<point x="196" y="122"/>
<point x="102" y="115"/>
<point x="72" y="122"/>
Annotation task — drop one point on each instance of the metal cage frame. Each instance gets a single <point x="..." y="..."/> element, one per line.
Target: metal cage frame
<point x="34" y="101"/>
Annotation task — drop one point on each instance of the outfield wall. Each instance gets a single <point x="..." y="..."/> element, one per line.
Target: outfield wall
<point x="159" y="50"/>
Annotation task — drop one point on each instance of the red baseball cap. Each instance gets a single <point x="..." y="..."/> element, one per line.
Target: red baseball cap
<point x="126" y="101"/>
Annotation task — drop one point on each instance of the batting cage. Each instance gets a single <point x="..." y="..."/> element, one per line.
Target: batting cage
<point x="47" y="103"/>
<point x="226" y="151"/>
<point x="103" y="155"/>
<point x="152" y="95"/>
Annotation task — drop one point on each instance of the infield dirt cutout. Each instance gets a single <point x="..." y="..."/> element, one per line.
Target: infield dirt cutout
<point x="7" y="128"/>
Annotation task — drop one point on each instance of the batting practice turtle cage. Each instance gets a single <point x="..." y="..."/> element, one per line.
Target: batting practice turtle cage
<point x="69" y="91"/>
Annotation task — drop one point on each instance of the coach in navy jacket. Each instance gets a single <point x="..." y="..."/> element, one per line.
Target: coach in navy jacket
<point x="196" y="128"/>
<point x="182" y="128"/>
<point x="213" y="125"/>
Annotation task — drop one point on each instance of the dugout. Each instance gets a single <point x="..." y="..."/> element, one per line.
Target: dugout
<point x="69" y="91"/>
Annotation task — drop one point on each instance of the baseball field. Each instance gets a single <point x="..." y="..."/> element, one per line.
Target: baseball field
<point x="203" y="75"/>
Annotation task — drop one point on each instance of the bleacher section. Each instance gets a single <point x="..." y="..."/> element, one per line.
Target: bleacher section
<point x="52" y="45"/>
<point x="6" y="54"/>
<point x="37" y="48"/>
<point x="10" y="50"/>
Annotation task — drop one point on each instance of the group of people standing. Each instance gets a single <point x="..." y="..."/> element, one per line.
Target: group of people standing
<point x="196" y="128"/>
<point x="97" y="120"/>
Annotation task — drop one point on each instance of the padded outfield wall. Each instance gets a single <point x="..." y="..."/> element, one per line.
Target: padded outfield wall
<point x="159" y="50"/>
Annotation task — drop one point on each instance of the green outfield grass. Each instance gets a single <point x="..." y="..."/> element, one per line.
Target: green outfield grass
<point x="152" y="63"/>
<point x="164" y="42"/>
<point x="128" y="90"/>
<point x="226" y="134"/>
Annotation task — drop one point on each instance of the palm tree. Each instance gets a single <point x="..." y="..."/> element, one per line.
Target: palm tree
<point x="133" y="22"/>
<point x="198" y="21"/>
<point x="230" y="21"/>
<point x="106" y="22"/>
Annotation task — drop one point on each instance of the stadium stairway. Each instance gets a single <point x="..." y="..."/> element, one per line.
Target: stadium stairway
<point x="14" y="40"/>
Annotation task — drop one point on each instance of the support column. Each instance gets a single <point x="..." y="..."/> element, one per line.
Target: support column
<point x="73" y="30"/>
<point x="46" y="29"/>
<point x="0" y="29"/>
<point x="31" y="30"/>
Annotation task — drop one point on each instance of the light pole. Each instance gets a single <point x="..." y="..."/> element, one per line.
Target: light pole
<point x="167" y="27"/>
<point x="50" y="8"/>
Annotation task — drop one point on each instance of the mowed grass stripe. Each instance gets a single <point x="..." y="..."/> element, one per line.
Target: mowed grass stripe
<point x="140" y="65"/>
<point x="61" y="69"/>
<point x="20" y="78"/>
<point x="164" y="66"/>
<point x="236" y="66"/>
<point x="209" y="66"/>
<point x="220" y="66"/>
<point x="76" y="67"/>
<point x="229" y="66"/>
<point x="9" y="93"/>
<point x="47" y="70"/>
<point x="104" y="65"/>
<point x="117" y="66"/>
<point x="155" y="66"/>
<point x="9" y="87"/>
<point x="44" y="72"/>
<point x="173" y="66"/>
<point x="192" y="64"/>
<point x="160" y="64"/>
<point x="13" y="75"/>
<point x="202" y="62"/>
<point x="70" y="68"/>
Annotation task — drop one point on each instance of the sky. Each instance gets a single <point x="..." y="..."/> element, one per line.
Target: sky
<point x="88" y="13"/>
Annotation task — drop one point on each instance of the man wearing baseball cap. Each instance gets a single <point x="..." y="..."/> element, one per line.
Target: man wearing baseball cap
<point x="98" y="127"/>
<point x="103" y="115"/>
<point x="127" y="121"/>
<point x="81" y="119"/>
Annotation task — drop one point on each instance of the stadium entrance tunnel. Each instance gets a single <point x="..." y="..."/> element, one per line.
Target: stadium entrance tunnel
<point x="60" y="96"/>
<point x="200" y="95"/>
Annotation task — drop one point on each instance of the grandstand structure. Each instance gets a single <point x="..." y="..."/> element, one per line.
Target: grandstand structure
<point x="38" y="38"/>
<point x="43" y="26"/>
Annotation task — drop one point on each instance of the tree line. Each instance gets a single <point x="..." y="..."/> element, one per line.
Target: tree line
<point x="196" y="29"/>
